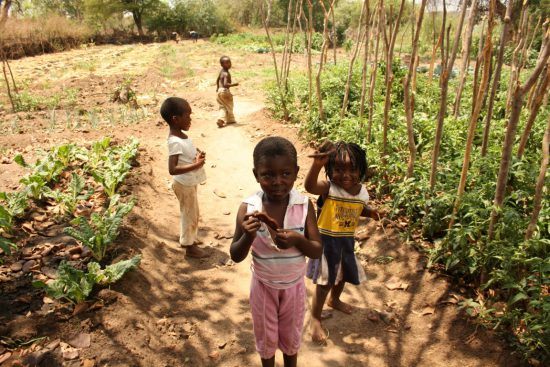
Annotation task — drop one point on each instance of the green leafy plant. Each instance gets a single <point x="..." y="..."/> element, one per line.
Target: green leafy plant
<point x="15" y="203"/>
<point x="5" y="225"/>
<point x="76" y="285"/>
<point x="6" y="245"/>
<point x="112" y="175"/>
<point x="112" y="168"/>
<point x="69" y="199"/>
<point x="100" y="230"/>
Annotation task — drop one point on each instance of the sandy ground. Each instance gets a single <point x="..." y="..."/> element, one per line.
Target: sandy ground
<point x="175" y="311"/>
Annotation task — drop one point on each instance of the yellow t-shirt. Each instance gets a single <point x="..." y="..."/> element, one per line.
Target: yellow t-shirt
<point x="341" y="210"/>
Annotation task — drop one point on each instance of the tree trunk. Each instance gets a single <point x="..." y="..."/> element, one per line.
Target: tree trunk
<point x="407" y="93"/>
<point x="446" y="70"/>
<point x="539" y="92"/>
<point x="496" y="79"/>
<point x="138" y="20"/>
<point x="389" y="81"/>
<point x="466" y="45"/>
<point x="353" y="57"/>
<point x="517" y="102"/>
<point x="478" y="102"/>
<point x="539" y="188"/>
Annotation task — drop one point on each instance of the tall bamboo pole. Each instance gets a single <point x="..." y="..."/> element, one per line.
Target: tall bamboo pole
<point x="496" y="78"/>
<point x="540" y="91"/>
<point x="478" y="102"/>
<point x="389" y="81"/>
<point x="309" y="21"/>
<point x="265" y="19"/>
<point x="354" y="56"/>
<point x="446" y="71"/>
<point x="322" y="58"/>
<point x="407" y="93"/>
<point x="517" y="102"/>
<point x="539" y="188"/>
<point x="334" y="35"/>
<point x="374" y="68"/>
<point x="366" y="55"/>
<point x="520" y="40"/>
<point x="438" y="43"/>
<point x="466" y="46"/>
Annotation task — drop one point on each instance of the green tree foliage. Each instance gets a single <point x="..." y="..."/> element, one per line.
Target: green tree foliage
<point x="70" y="8"/>
<point x="203" y="16"/>
<point x="139" y="9"/>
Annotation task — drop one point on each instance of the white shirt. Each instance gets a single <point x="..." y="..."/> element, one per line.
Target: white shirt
<point x="186" y="152"/>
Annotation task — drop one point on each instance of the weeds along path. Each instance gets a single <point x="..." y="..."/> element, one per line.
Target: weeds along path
<point x="174" y="311"/>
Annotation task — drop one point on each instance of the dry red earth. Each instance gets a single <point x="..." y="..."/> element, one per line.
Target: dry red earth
<point x="174" y="311"/>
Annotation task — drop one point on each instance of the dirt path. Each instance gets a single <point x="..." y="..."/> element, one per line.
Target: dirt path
<point x="179" y="312"/>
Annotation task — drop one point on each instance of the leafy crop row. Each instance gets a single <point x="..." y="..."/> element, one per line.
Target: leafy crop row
<point x="66" y="177"/>
<point x="515" y="273"/>
<point x="260" y="44"/>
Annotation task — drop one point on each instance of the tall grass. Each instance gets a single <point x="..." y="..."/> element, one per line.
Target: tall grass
<point x="26" y="37"/>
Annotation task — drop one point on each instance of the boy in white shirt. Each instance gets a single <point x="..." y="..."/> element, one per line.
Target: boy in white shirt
<point x="185" y="164"/>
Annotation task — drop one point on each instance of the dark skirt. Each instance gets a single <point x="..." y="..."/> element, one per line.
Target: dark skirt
<point x="337" y="252"/>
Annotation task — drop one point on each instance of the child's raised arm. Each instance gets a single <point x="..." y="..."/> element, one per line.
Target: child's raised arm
<point x="245" y="232"/>
<point x="310" y="244"/>
<point x="312" y="183"/>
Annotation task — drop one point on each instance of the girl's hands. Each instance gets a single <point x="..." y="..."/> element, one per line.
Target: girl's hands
<point x="286" y="238"/>
<point x="320" y="158"/>
<point x="250" y="225"/>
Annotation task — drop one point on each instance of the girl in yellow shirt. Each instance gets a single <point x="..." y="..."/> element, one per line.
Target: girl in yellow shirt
<point x="342" y="200"/>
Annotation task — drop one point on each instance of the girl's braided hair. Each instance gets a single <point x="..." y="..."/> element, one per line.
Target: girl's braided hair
<point x="339" y="151"/>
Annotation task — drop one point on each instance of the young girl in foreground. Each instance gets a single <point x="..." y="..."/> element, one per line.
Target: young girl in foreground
<point x="278" y="224"/>
<point x="342" y="200"/>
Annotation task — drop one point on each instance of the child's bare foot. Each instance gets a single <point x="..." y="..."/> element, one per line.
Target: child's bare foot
<point x="318" y="334"/>
<point x="220" y="123"/>
<point x="195" y="252"/>
<point x="340" y="306"/>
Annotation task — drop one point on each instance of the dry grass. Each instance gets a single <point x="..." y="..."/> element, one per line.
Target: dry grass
<point x="26" y="37"/>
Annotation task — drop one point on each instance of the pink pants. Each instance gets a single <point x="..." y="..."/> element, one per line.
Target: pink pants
<point x="278" y="317"/>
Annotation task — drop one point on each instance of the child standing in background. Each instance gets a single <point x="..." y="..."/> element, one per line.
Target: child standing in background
<point x="278" y="226"/>
<point x="185" y="164"/>
<point x="342" y="200"/>
<point x="224" y="96"/>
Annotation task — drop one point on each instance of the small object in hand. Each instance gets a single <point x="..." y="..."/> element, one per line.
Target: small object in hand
<point x="327" y="148"/>
<point x="320" y="154"/>
<point x="263" y="217"/>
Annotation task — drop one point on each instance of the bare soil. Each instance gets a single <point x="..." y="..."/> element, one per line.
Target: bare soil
<point x="175" y="311"/>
